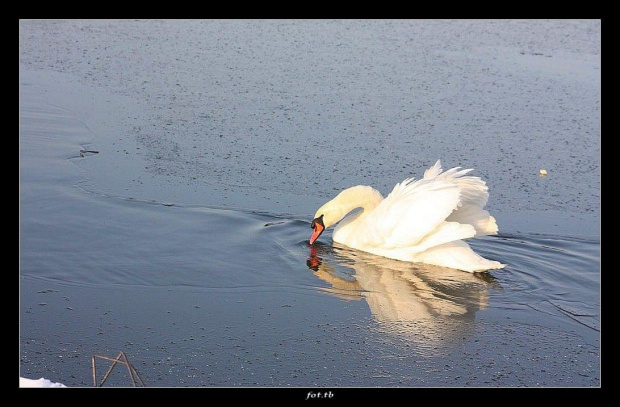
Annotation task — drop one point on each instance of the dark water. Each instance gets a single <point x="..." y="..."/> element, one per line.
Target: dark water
<point x="200" y="270"/>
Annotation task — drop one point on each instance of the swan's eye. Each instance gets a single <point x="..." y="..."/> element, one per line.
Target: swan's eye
<point x="318" y="220"/>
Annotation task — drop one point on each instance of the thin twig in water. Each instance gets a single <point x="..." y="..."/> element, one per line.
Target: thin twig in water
<point x="130" y="368"/>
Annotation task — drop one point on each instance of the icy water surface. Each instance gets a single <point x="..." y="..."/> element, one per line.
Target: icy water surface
<point x="169" y="172"/>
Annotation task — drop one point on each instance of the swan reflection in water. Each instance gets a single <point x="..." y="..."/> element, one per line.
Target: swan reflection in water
<point x="423" y="302"/>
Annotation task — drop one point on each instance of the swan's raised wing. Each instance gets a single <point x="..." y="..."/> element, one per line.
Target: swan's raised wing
<point x="415" y="211"/>
<point x="474" y="196"/>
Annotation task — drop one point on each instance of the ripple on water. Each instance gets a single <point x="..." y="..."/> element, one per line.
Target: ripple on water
<point x="550" y="273"/>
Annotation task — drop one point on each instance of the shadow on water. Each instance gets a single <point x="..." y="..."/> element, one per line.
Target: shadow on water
<point x="546" y="277"/>
<point x="424" y="303"/>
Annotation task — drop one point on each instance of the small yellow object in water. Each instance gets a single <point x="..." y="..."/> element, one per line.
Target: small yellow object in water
<point x="543" y="172"/>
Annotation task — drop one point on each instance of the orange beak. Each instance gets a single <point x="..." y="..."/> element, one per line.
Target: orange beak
<point x="318" y="226"/>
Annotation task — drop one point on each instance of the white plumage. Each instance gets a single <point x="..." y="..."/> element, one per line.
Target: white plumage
<point x="419" y="221"/>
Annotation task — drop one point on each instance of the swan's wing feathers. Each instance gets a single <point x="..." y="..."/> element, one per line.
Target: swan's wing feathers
<point x="434" y="171"/>
<point x="437" y="172"/>
<point x="446" y="232"/>
<point x="410" y="212"/>
<point x="474" y="190"/>
<point x="474" y="215"/>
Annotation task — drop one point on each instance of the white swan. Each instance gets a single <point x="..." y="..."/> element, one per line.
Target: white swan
<point x="419" y="221"/>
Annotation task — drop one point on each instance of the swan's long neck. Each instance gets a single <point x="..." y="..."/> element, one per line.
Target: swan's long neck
<point x="360" y="196"/>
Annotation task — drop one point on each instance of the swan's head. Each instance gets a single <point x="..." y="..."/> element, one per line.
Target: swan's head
<point x="326" y="216"/>
<point x="318" y="226"/>
<point x="336" y="209"/>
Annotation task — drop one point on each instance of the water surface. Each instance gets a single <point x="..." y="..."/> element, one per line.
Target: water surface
<point x="169" y="171"/>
